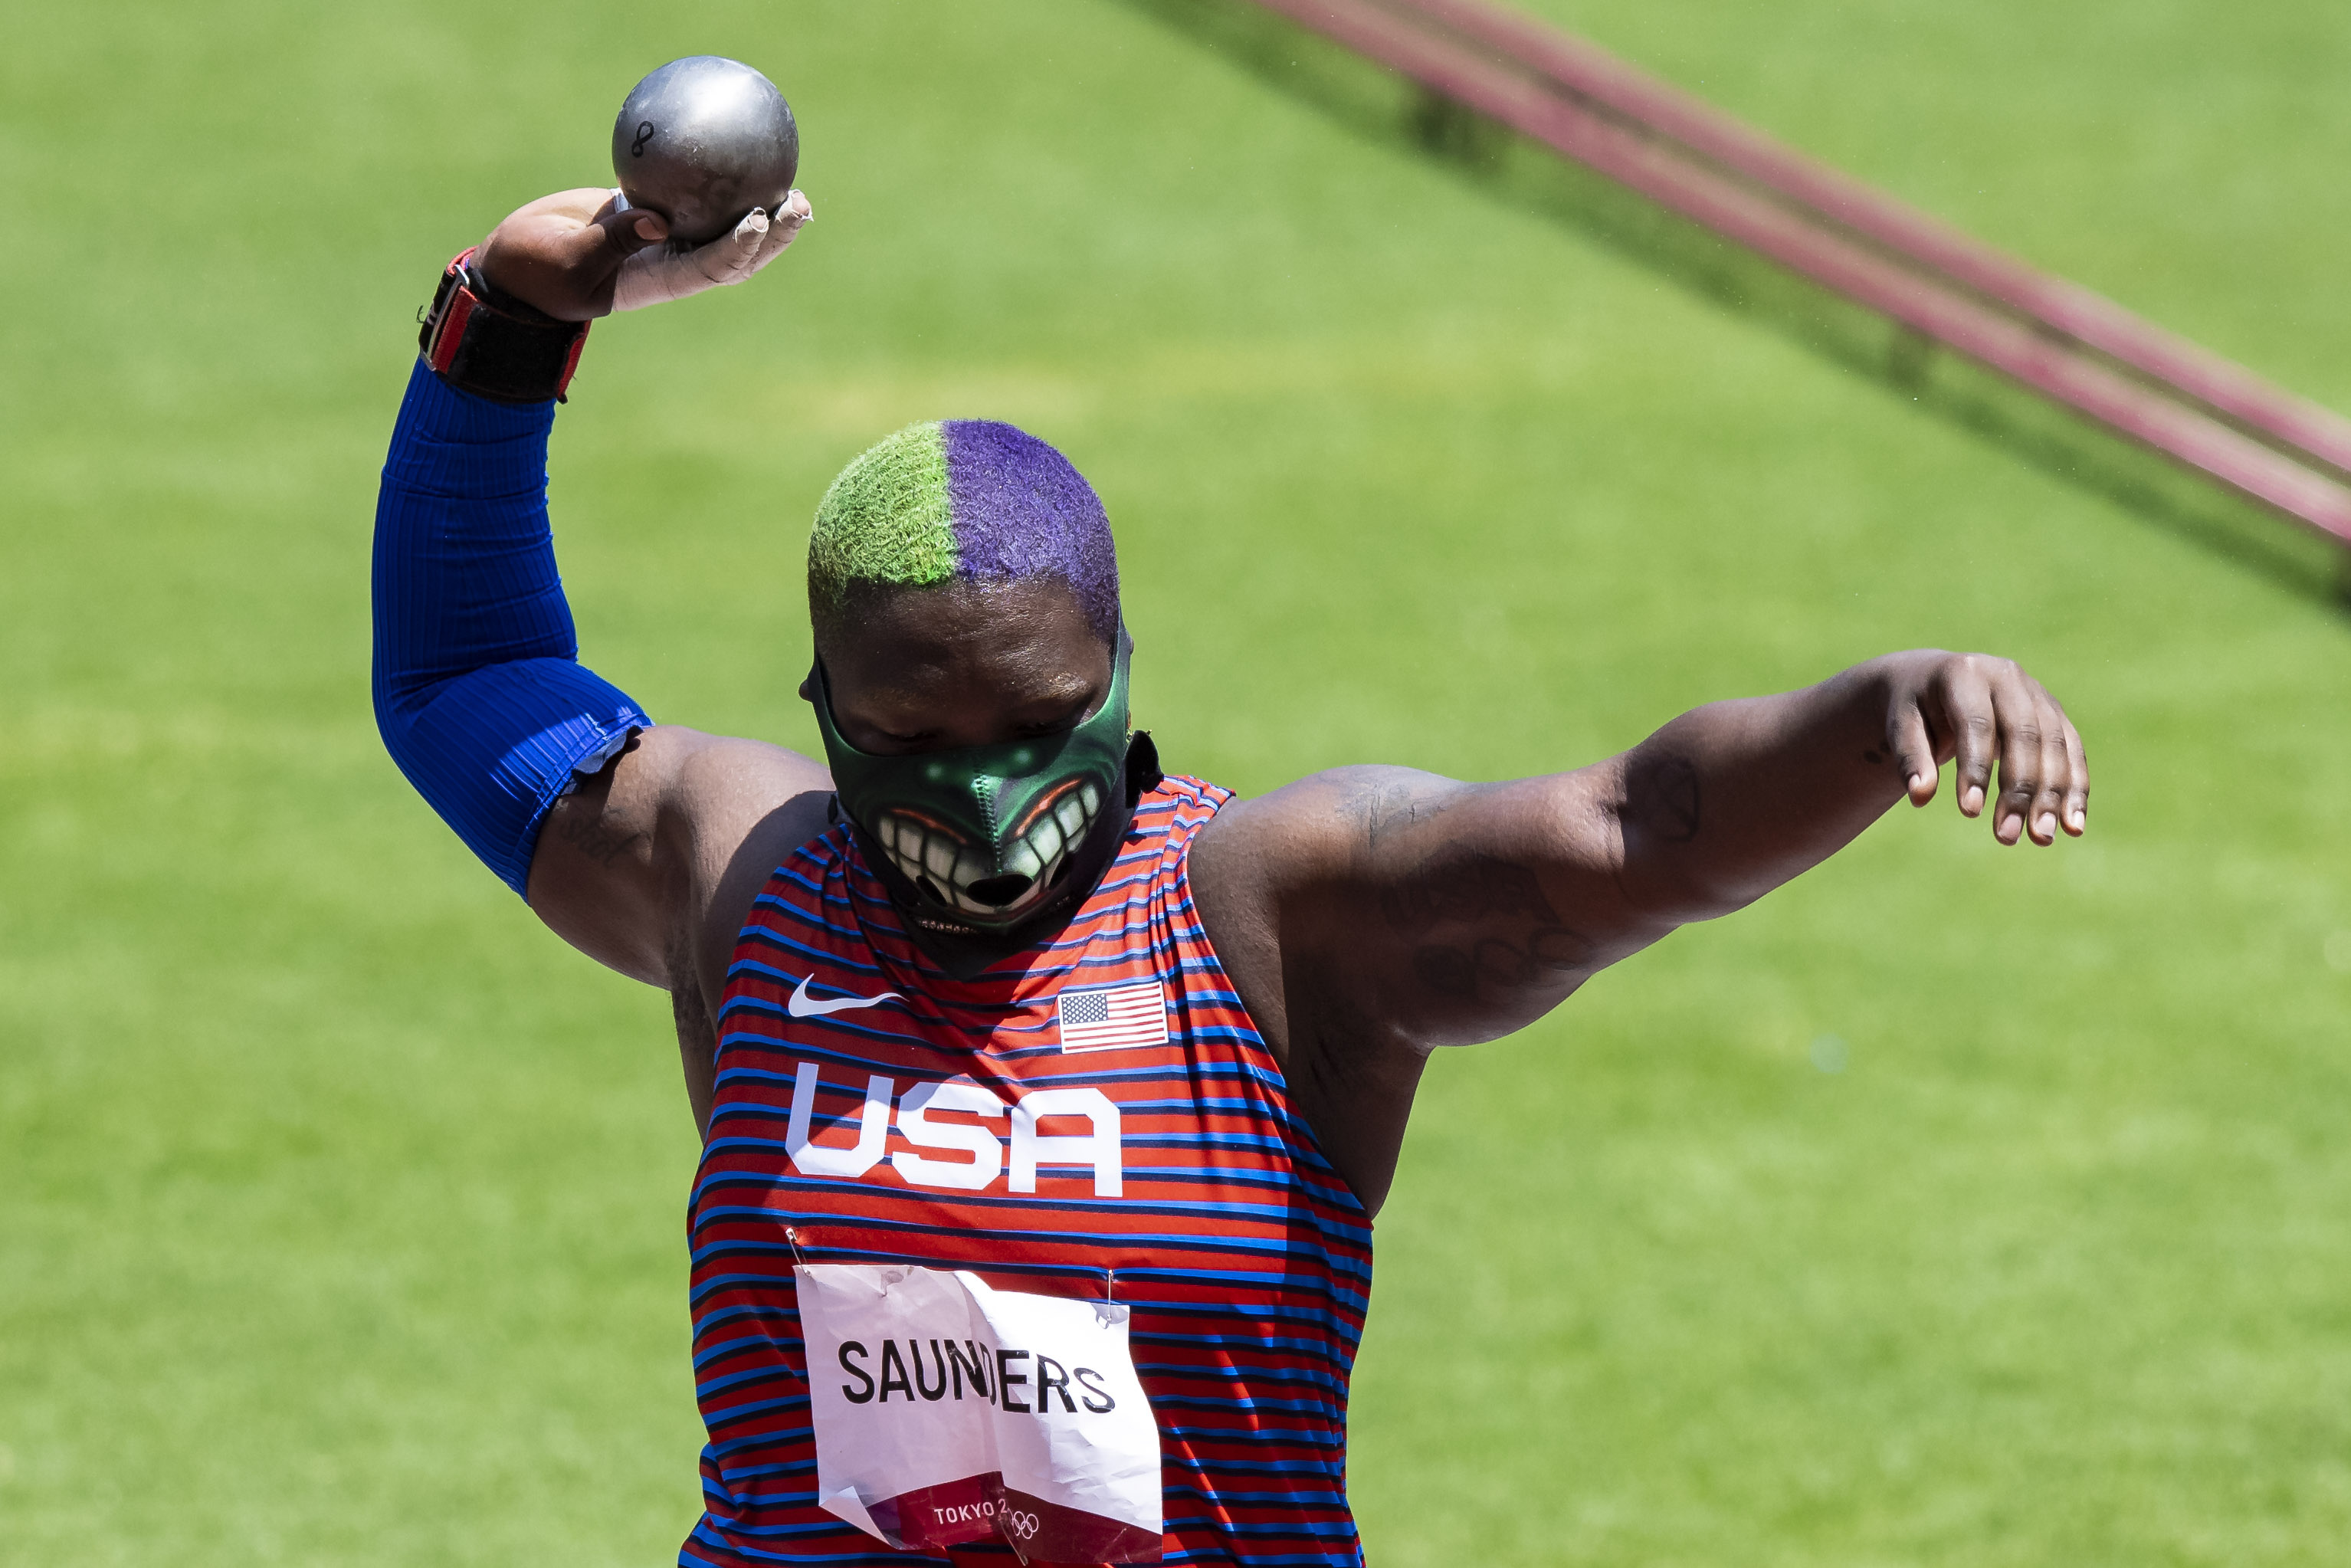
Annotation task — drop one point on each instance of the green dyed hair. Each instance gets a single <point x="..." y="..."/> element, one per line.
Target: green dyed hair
<point x="886" y="520"/>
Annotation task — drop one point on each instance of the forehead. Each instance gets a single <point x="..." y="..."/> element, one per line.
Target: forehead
<point x="892" y="635"/>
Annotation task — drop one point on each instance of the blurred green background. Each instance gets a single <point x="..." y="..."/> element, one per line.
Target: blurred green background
<point x="1954" y="1206"/>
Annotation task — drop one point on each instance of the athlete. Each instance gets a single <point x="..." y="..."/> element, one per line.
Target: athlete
<point x="980" y="1004"/>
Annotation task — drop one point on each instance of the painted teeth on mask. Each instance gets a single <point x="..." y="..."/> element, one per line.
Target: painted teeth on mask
<point x="935" y="862"/>
<point x="939" y="858"/>
<point x="1042" y="844"/>
<point x="968" y="869"/>
<point x="1055" y="835"/>
<point x="951" y="868"/>
<point x="1024" y="861"/>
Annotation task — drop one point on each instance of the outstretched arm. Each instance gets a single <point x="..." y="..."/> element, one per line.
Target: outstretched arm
<point x="1371" y="915"/>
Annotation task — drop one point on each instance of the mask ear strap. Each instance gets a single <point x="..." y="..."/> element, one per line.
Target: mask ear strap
<point x="1142" y="771"/>
<point x="1143" y="774"/>
<point x="820" y="697"/>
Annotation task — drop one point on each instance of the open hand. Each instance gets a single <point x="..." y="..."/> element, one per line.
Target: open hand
<point x="1977" y="709"/>
<point x="579" y="254"/>
<point x="656" y="277"/>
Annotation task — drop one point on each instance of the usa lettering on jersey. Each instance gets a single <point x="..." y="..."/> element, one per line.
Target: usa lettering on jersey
<point x="1100" y="1146"/>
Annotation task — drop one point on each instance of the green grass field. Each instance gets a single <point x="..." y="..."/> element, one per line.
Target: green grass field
<point x="340" y="1206"/>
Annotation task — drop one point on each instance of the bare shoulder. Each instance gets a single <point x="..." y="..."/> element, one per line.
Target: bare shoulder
<point x="651" y="865"/>
<point x="746" y="806"/>
<point x="1456" y="910"/>
<point x="1326" y="826"/>
<point x="1257" y="868"/>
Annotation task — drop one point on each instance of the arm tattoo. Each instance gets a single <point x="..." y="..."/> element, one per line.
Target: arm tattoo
<point x="1517" y="939"/>
<point x="1384" y="810"/>
<point x="591" y="837"/>
<point x="1661" y="795"/>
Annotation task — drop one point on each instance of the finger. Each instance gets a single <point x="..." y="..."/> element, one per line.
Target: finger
<point x="791" y="215"/>
<point x="593" y="256"/>
<point x="598" y="247"/>
<point x="752" y="232"/>
<point x="579" y="265"/>
<point x="788" y="226"/>
<point x="2076" y="813"/>
<point x="2056" y="770"/>
<point x="734" y="255"/>
<point x="1914" y="753"/>
<point x="1967" y="698"/>
<point x="2018" y="720"/>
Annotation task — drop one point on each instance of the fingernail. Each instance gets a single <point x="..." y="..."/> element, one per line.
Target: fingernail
<point x="2044" y="826"/>
<point x="1974" y="799"/>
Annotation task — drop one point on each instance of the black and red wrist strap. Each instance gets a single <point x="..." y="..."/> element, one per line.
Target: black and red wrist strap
<point x="483" y="342"/>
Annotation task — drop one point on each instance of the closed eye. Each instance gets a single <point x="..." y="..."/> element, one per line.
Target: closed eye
<point x="1068" y="721"/>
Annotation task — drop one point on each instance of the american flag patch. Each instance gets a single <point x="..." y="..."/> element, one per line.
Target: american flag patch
<point x="1101" y="1017"/>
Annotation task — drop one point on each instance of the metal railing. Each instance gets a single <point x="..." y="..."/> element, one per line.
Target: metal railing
<point x="2057" y="337"/>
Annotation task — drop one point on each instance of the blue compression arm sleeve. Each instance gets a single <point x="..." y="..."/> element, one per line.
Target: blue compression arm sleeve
<point x="478" y="688"/>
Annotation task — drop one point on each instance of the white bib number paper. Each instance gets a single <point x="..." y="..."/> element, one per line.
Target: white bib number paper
<point x="947" y="1411"/>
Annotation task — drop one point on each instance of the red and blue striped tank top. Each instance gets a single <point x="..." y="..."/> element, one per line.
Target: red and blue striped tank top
<point x="1169" y="1169"/>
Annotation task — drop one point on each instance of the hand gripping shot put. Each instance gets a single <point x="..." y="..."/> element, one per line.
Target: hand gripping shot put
<point x="1046" y="1097"/>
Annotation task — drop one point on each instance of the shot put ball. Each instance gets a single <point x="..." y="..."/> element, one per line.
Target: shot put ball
<point x="702" y="142"/>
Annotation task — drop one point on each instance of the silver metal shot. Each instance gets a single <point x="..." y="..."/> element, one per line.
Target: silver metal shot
<point x="702" y="142"/>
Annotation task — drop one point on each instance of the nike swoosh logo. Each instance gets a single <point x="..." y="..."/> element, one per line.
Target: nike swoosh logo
<point x="803" y="1005"/>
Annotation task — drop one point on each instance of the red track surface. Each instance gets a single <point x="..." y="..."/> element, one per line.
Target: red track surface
<point x="2056" y="337"/>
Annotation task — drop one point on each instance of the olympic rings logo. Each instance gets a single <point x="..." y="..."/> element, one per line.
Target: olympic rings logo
<point x="1024" y="1525"/>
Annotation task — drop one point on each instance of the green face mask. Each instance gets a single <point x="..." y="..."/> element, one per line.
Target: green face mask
<point x="986" y="833"/>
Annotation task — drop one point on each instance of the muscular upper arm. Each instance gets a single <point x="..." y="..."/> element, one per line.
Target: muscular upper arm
<point x="1370" y="915"/>
<point x="1447" y="913"/>
<point x="650" y="866"/>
